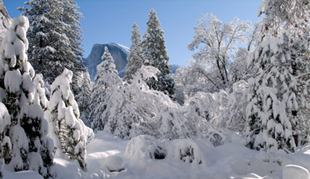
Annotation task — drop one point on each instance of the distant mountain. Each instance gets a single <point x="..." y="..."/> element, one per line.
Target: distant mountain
<point x="173" y="68"/>
<point x="5" y="21"/>
<point x="118" y="52"/>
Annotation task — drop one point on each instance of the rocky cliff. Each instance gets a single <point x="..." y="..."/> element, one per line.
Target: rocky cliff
<point x="118" y="52"/>
<point x="5" y="21"/>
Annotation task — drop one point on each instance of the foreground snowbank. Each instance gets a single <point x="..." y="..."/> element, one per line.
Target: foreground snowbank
<point x="183" y="159"/>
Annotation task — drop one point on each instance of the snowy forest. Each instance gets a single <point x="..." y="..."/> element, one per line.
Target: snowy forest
<point x="240" y="109"/>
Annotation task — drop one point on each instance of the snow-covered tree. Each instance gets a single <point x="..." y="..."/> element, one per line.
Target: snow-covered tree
<point x="54" y="37"/>
<point x="69" y="133"/>
<point x="218" y="42"/>
<point x="273" y="103"/>
<point x="46" y="36"/>
<point x="82" y="96"/>
<point x="154" y="53"/>
<point x="31" y="148"/>
<point x="108" y="65"/>
<point x="106" y="77"/>
<point x="73" y="31"/>
<point x="154" y="48"/>
<point x="5" y="147"/>
<point x="134" y="58"/>
<point x="291" y="17"/>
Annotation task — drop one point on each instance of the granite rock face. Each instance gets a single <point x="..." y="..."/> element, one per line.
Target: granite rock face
<point x="118" y="52"/>
<point x="5" y="21"/>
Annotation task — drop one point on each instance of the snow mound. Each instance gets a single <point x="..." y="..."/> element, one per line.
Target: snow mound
<point x="143" y="147"/>
<point x="114" y="163"/>
<point x="28" y="174"/>
<point x="220" y="137"/>
<point x="187" y="151"/>
<point x="295" y="171"/>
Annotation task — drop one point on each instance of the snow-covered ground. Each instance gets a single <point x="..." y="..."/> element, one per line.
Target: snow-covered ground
<point x="107" y="153"/>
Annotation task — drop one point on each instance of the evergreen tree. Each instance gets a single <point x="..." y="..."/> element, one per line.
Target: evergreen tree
<point x="154" y="53"/>
<point x="272" y="104"/>
<point x="31" y="149"/>
<point x="71" y="17"/>
<point x="106" y="77"/>
<point x="70" y="134"/>
<point x="107" y="65"/>
<point x="55" y="37"/>
<point x="291" y="17"/>
<point x="83" y="96"/>
<point x="134" y="58"/>
<point x="48" y="42"/>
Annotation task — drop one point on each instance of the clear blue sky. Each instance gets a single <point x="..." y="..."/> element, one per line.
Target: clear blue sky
<point x="108" y="21"/>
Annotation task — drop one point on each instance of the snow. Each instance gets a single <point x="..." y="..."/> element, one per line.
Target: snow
<point x="145" y="147"/>
<point x="27" y="82"/>
<point x="295" y="171"/>
<point x="233" y="160"/>
<point x="187" y="151"/>
<point x="22" y="174"/>
<point x="4" y="117"/>
<point x="114" y="163"/>
<point x="12" y="81"/>
<point x="70" y="117"/>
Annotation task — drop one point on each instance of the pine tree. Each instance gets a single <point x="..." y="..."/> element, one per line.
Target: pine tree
<point x="83" y="96"/>
<point x="70" y="133"/>
<point x="272" y="104"/>
<point x="48" y="42"/>
<point x="108" y="65"/>
<point x="291" y="17"/>
<point x="134" y="58"/>
<point x="31" y="149"/>
<point x="154" y="53"/>
<point x="71" y="17"/>
<point x="106" y="77"/>
<point x="55" y="37"/>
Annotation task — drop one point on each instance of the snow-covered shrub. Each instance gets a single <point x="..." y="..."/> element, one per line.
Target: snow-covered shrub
<point x="233" y="117"/>
<point x="145" y="147"/>
<point x="217" y="137"/>
<point x="69" y="133"/>
<point x="132" y="109"/>
<point x="186" y="150"/>
<point x="221" y="136"/>
<point x="202" y="109"/>
<point x="114" y="163"/>
<point x="31" y="148"/>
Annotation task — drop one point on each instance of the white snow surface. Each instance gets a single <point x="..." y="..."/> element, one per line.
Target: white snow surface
<point x="229" y="161"/>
